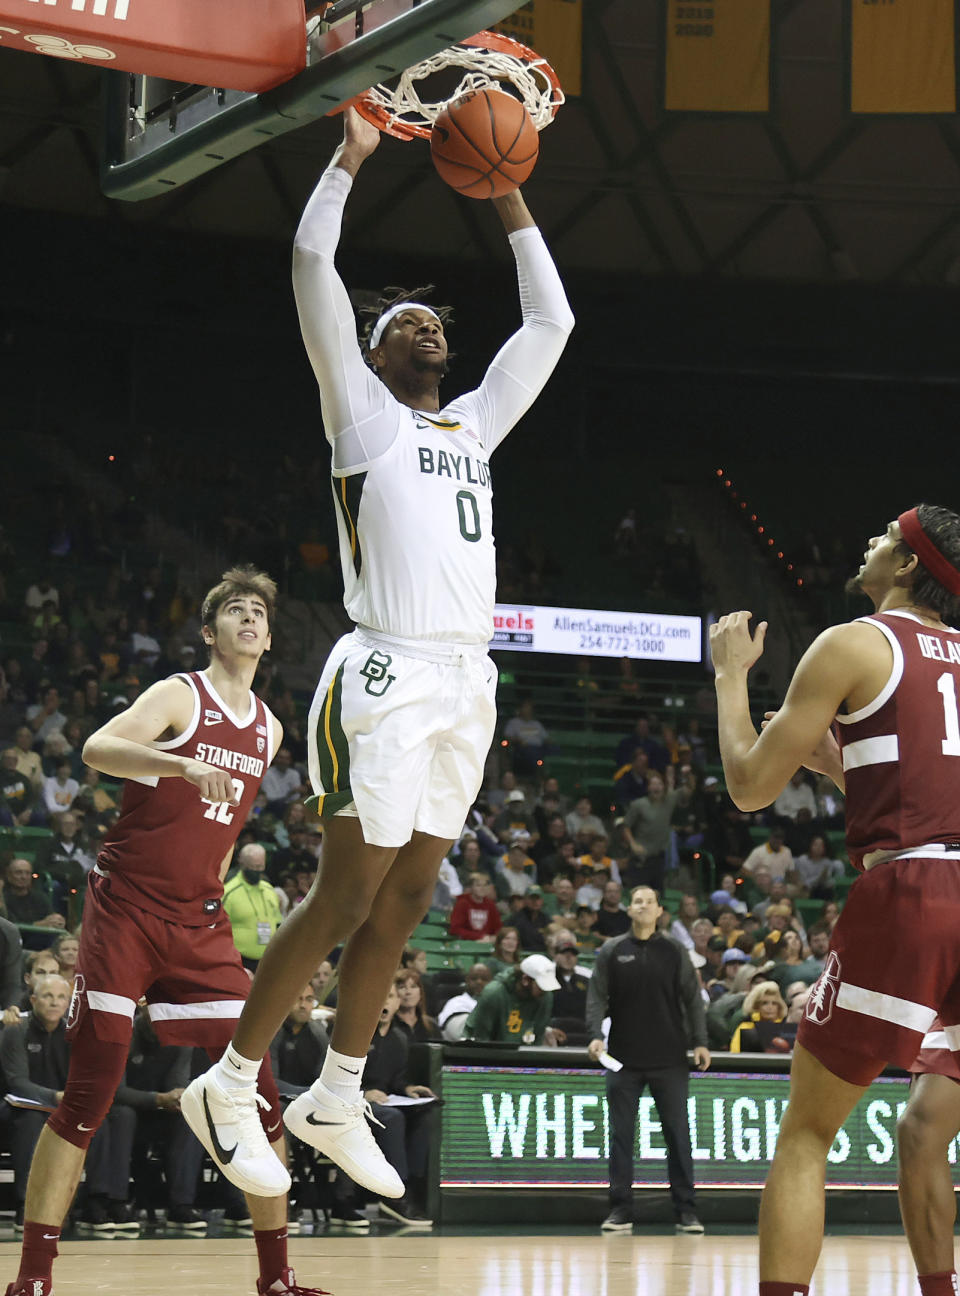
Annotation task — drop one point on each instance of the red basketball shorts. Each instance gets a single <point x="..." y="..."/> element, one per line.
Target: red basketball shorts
<point x="192" y="977"/>
<point x="893" y="967"/>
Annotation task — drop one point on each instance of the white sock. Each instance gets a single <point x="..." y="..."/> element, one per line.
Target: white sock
<point x="234" y="1070"/>
<point x="341" y="1075"/>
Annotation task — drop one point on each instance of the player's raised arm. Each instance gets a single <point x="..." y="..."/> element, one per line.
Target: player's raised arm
<point x="123" y="747"/>
<point x="523" y="364"/>
<point x="351" y="396"/>
<point x="758" y="767"/>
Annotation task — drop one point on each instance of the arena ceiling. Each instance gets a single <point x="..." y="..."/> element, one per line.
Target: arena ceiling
<point x="808" y="191"/>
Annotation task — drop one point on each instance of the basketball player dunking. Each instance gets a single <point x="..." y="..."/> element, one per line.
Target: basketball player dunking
<point x="890" y="681"/>
<point x="404" y="712"/>
<point x="193" y="750"/>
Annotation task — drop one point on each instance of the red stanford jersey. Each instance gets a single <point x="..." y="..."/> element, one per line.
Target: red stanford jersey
<point x="901" y="752"/>
<point x="164" y="852"/>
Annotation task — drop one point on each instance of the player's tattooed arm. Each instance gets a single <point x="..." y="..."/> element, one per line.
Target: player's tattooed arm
<point x="123" y="747"/>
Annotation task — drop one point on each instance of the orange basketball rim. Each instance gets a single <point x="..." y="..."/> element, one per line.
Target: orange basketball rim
<point x="489" y="59"/>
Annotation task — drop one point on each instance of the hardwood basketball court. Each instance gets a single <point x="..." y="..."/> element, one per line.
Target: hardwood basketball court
<point x="474" y="1263"/>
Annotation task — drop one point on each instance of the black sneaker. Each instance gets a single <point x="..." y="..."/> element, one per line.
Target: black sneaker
<point x="186" y="1217"/>
<point x="237" y="1217"/>
<point x="403" y="1211"/>
<point x="688" y="1223"/>
<point x="620" y="1220"/>
<point x="18" y="1219"/>
<point x="123" y="1217"/>
<point x="346" y="1217"/>
<point x="95" y="1218"/>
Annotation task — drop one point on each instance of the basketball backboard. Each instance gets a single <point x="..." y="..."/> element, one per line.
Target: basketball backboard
<point x="161" y="134"/>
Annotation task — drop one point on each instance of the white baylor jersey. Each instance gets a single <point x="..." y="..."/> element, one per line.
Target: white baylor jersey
<point x="414" y="508"/>
<point x="416" y="532"/>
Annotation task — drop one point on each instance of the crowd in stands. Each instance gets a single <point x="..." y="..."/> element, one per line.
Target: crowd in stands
<point x="537" y="882"/>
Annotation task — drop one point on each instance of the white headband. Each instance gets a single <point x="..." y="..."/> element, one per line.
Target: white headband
<point x="388" y="315"/>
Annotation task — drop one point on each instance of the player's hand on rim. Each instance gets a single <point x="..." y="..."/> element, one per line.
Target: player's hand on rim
<point x="359" y="135"/>
<point x="732" y="647"/>
<point x="214" y="784"/>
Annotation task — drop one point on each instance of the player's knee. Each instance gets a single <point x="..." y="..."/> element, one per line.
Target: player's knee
<point x="75" y="1124"/>
<point x="916" y="1138"/>
<point x="412" y="900"/>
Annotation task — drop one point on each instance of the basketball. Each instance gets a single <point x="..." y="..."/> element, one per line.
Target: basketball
<point x="484" y="144"/>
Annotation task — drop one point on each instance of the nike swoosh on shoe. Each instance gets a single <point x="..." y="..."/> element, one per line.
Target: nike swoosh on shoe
<point x="220" y="1152"/>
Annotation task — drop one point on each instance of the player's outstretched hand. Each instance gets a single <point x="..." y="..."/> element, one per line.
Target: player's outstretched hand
<point x="359" y="135"/>
<point x="214" y="784"/>
<point x="732" y="647"/>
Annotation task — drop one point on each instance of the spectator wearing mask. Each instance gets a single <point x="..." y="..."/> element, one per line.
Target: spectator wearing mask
<point x="251" y="904"/>
<point x="646" y="984"/>
<point x="516" y="1007"/>
<point x="475" y="915"/>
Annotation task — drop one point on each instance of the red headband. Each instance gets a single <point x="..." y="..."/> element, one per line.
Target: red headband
<point x="937" y="565"/>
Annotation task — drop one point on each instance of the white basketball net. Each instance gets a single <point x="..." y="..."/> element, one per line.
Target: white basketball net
<point x="486" y="69"/>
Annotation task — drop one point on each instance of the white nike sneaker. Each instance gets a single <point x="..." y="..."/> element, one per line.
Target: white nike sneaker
<point x="227" y="1124"/>
<point x="340" y="1130"/>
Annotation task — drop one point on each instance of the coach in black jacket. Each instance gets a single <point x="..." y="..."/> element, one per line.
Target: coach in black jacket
<point x="647" y="985"/>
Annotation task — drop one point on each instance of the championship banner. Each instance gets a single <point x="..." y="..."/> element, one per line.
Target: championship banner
<point x="903" y="57"/>
<point x="579" y="632"/>
<point x="513" y="1127"/>
<point x="718" y="56"/>
<point x="554" y="28"/>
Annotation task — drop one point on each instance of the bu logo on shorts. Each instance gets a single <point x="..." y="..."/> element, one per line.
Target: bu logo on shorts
<point x="823" y="995"/>
<point x="374" y="670"/>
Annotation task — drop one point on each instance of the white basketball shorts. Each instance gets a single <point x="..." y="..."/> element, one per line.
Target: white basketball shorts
<point x="400" y="729"/>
